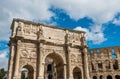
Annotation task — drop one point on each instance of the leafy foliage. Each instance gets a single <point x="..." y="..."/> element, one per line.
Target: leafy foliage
<point x="2" y="73"/>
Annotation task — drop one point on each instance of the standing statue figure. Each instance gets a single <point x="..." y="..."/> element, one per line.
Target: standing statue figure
<point x="19" y="27"/>
<point x="40" y="33"/>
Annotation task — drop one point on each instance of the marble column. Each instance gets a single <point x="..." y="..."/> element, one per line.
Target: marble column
<point x="16" y="70"/>
<point x="12" y="51"/>
<point x="86" y="64"/>
<point x="64" y="71"/>
<point x="70" y="75"/>
<point x="40" y="63"/>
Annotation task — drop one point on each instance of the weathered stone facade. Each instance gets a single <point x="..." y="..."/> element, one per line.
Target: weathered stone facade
<point x="47" y="52"/>
<point x="50" y="52"/>
<point x="104" y="63"/>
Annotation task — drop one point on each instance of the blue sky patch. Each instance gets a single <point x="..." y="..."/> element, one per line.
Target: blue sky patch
<point x="3" y="45"/>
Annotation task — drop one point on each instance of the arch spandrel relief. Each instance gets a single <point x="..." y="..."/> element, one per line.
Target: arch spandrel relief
<point x="76" y="60"/>
<point x="50" y="51"/>
<point x="28" y="53"/>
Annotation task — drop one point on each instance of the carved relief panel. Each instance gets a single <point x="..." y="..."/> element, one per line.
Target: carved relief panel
<point x="30" y="29"/>
<point x="76" y="59"/>
<point x="28" y="53"/>
<point x="74" y="38"/>
<point x="52" y="49"/>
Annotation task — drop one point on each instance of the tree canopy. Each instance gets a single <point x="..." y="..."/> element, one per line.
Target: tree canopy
<point x="2" y="73"/>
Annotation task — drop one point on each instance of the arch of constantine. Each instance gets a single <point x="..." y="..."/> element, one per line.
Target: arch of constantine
<point x="47" y="52"/>
<point x="39" y="51"/>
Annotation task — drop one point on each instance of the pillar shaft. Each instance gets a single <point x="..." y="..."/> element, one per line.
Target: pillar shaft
<point x="104" y="67"/>
<point x="16" y="72"/>
<point x="70" y="75"/>
<point x="10" y="70"/>
<point x="64" y="71"/>
<point x="86" y="64"/>
<point x="40" y="63"/>
<point x="111" y="66"/>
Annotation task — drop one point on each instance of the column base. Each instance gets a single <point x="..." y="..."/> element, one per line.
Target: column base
<point x="70" y="78"/>
<point x="40" y="77"/>
<point x="14" y="78"/>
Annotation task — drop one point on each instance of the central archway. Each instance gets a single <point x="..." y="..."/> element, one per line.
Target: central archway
<point x="54" y="66"/>
<point x="109" y="77"/>
<point x="77" y="73"/>
<point x="27" y="72"/>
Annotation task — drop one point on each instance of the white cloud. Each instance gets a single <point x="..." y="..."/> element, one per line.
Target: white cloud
<point x="116" y="21"/>
<point x="3" y="59"/>
<point x="25" y="9"/>
<point x="94" y="34"/>
<point x="101" y="11"/>
<point x="82" y="29"/>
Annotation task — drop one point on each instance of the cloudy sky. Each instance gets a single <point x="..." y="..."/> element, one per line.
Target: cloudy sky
<point x="99" y="18"/>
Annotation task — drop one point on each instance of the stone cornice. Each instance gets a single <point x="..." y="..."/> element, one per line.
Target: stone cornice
<point x="42" y="41"/>
<point x="37" y="24"/>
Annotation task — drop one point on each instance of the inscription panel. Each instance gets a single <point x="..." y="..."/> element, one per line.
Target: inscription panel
<point x="54" y="35"/>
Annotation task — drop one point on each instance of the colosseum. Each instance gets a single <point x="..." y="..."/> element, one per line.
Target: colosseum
<point x="39" y="51"/>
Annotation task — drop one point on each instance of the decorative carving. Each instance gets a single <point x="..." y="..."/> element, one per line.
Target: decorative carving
<point x="28" y="53"/>
<point x="19" y="27"/>
<point x="30" y="29"/>
<point x="76" y="59"/>
<point x="79" y="58"/>
<point x="47" y="51"/>
<point x="40" y="33"/>
<point x="34" y="29"/>
<point x="73" y="59"/>
<point x="26" y="29"/>
<point x="73" y="37"/>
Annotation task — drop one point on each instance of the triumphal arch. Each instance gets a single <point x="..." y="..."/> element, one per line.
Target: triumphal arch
<point x="47" y="52"/>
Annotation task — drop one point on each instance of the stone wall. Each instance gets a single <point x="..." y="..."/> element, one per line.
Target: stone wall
<point x="104" y="62"/>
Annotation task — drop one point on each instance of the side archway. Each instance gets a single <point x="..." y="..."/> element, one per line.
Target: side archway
<point x="27" y="72"/>
<point x="117" y="77"/>
<point x="77" y="73"/>
<point x="94" y="77"/>
<point x="101" y="77"/>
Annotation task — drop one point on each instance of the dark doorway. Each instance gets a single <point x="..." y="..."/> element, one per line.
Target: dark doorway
<point x="109" y="77"/>
<point x="94" y="77"/>
<point x="77" y="73"/>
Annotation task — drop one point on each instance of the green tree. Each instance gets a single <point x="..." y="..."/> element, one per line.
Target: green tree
<point x="2" y="73"/>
